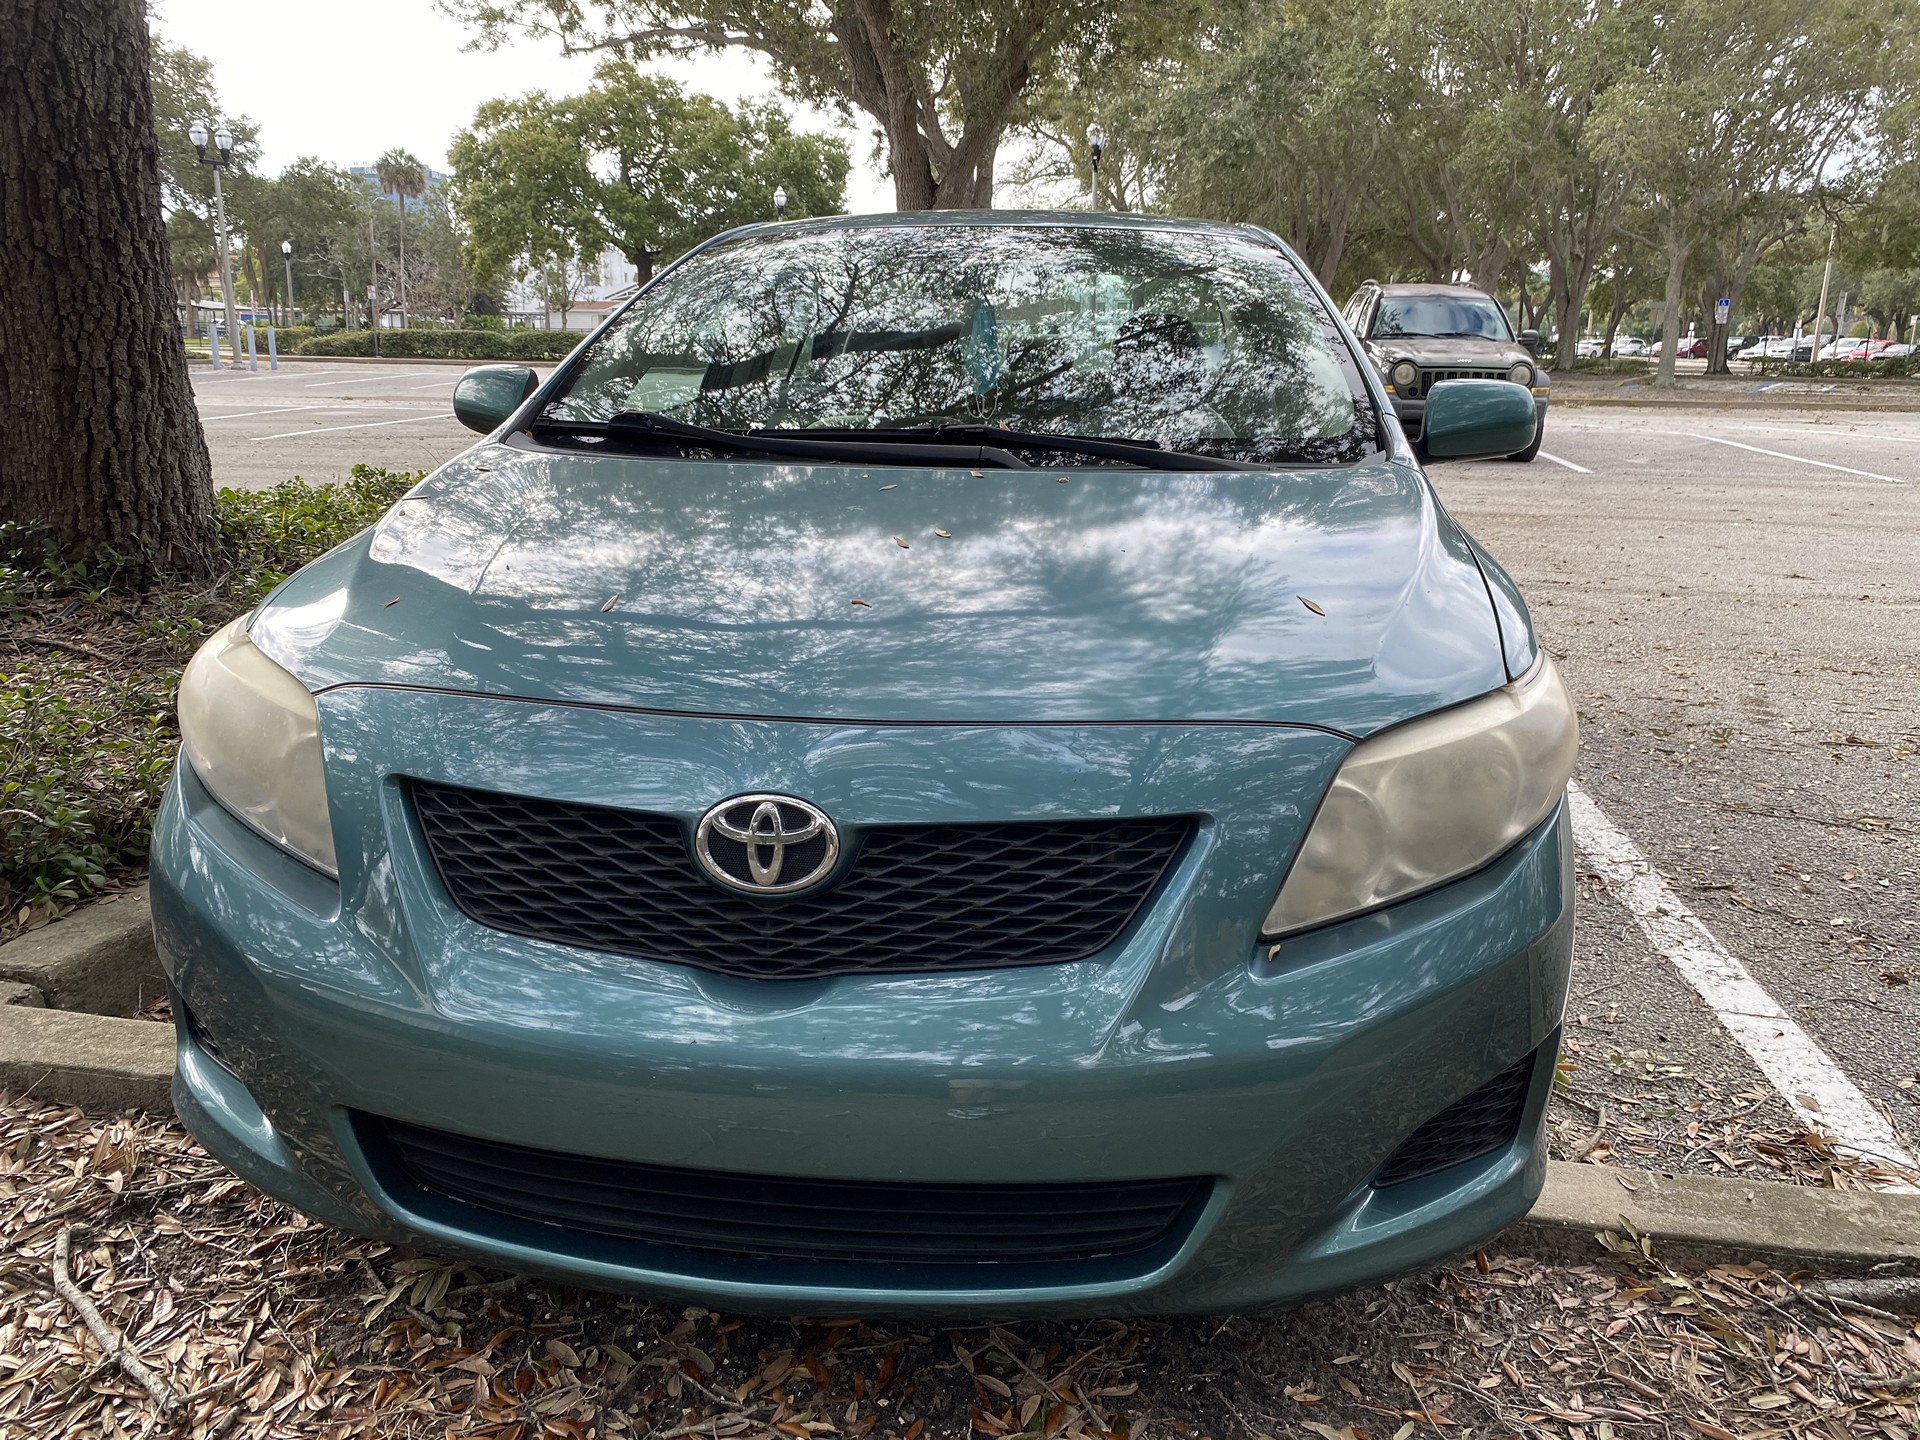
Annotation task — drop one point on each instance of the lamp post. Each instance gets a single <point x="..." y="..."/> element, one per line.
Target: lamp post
<point x="221" y="159"/>
<point x="779" y="202"/>
<point x="286" y="256"/>
<point x="1096" y="143"/>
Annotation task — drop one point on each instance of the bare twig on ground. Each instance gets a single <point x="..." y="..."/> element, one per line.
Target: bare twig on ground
<point x="110" y="1339"/>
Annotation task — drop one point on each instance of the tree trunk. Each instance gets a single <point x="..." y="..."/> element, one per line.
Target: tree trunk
<point x="1677" y="251"/>
<point x="99" y="437"/>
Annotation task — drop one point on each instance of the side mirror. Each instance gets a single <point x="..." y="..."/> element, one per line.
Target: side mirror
<point x="487" y="394"/>
<point x="1471" y="419"/>
<point x="1531" y="339"/>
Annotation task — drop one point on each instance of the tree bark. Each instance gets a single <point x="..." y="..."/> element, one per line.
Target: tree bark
<point x="99" y="437"/>
<point x="1678" y="250"/>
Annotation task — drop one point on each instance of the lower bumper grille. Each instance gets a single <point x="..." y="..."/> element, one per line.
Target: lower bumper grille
<point x="1482" y="1123"/>
<point x="782" y="1218"/>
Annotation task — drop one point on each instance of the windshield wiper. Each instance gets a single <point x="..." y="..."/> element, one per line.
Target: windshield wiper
<point x="644" y="425"/>
<point x="1148" y="454"/>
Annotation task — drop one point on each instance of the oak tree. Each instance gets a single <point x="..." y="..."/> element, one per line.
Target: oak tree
<point x="99" y="438"/>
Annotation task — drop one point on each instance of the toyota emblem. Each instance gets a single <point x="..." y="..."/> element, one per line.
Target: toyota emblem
<point x="766" y="844"/>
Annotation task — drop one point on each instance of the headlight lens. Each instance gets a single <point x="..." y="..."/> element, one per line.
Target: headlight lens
<point x="252" y="734"/>
<point x="1405" y="374"/>
<point x="1431" y="800"/>
<point x="1521" y="373"/>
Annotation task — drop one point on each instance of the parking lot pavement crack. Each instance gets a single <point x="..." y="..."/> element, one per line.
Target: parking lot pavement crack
<point x="1820" y="1093"/>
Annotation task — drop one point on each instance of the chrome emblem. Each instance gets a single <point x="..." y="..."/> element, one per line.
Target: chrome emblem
<point x="766" y="844"/>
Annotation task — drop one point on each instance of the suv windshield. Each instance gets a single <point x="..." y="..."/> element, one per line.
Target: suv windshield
<point x="1440" y="315"/>
<point x="1201" y="342"/>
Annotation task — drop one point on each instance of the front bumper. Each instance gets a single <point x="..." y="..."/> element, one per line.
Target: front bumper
<point x="1287" y="1080"/>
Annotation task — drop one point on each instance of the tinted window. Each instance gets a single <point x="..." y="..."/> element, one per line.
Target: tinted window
<point x="1440" y="315"/>
<point x="1200" y="341"/>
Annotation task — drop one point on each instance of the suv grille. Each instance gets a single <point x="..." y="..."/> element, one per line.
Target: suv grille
<point x="1483" y="1122"/>
<point x="912" y="899"/>
<point x="1431" y="378"/>
<point x="782" y="1218"/>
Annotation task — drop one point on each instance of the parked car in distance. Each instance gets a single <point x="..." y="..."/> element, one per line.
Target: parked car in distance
<point x="1589" y="348"/>
<point x="1418" y="336"/>
<point x="1899" y="350"/>
<point x="1852" y="347"/>
<point x="946" y="763"/>
<point x="1628" y="347"/>
<point x="1687" y="347"/>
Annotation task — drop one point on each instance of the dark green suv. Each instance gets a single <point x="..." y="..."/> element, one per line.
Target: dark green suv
<point x="1418" y="335"/>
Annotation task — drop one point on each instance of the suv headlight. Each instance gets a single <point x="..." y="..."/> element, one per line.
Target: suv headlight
<point x="1521" y="373"/>
<point x="1431" y="800"/>
<point x="1405" y="375"/>
<point x="252" y="733"/>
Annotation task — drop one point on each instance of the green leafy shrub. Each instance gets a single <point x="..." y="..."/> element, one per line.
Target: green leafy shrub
<point x="85" y="749"/>
<point x="449" y="344"/>
<point x="286" y="337"/>
<point x="268" y="534"/>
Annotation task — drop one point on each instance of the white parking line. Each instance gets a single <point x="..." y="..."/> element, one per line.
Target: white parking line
<point x="281" y="410"/>
<point x="363" y="425"/>
<point x="434" y="386"/>
<point x="1577" y="469"/>
<point x="395" y="375"/>
<point x="1782" y="455"/>
<point x="1819" y="1091"/>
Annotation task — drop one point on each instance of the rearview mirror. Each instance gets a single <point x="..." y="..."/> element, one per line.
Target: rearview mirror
<point x="486" y="395"/>
<point x="1530" y="339"/>
<point x="1471" y="419"/>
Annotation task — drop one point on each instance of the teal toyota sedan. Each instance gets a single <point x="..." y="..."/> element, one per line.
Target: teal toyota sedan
<point x="939" y="763"/>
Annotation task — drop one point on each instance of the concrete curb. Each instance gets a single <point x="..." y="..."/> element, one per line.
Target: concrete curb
<point x="99" y="959"/>
<point x="1712" y="1218"/>
<point x="97" y="1062"/>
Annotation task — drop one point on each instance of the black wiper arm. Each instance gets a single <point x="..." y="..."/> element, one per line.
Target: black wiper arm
<point x="643" y="424"/>
<point x="1146" y="453"/>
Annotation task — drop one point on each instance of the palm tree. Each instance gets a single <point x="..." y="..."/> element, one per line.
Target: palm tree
<point x="403" y="175"/>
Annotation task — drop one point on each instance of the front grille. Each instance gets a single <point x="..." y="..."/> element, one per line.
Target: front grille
<point x="783" y="1218"/>
<point x="1431" y="378"/>
<point x="1480" y="1124"/>
<point x="912" y="899"/>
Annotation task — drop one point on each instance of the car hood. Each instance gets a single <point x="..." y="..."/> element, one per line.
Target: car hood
<point x="1340" y="598"/>
<point x="1439" y="352"/>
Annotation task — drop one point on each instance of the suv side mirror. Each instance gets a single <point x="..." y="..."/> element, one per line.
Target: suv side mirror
<point x="1531" y="339"/>
<point x="1474" y="419"/>
<point x="486" y="395"/>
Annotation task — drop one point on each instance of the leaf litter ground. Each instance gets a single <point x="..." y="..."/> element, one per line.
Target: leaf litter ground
<point x="271" y="1325"/>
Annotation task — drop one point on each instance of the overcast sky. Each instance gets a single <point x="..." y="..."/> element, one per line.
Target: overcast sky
<point x="345" y="80"/>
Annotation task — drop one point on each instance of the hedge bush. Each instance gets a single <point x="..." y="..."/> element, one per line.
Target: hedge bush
<point x="449" y="344"/>
<point x="1894" y="369"/>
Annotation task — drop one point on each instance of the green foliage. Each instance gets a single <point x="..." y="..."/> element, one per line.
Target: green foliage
<point x="488" y="344"/>
<point x="84" y="761"/>
<point x="636" y="163"/>
<point x="268" y="534"/>
<point x="85" y="750"/>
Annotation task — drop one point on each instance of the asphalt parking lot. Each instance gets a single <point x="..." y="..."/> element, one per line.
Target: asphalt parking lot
<point x="1734" y="595"/>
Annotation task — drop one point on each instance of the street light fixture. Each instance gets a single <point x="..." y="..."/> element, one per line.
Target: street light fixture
<point x="221" y="159"/>
<point x="286" y="255"/>
<point x="779" y="202"/>
<point x="1096" y="143"/>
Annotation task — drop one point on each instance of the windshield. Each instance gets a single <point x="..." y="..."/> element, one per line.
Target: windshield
<point x="1200" y="342"/>
<point x="1473" y="315"/>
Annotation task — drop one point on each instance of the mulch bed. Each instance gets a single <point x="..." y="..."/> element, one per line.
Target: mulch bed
<point x="264" y="1324"/>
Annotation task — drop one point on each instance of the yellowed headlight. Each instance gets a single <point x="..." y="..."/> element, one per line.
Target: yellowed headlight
<point x="1431" y="800"/>
<point x="252" y="734"/>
